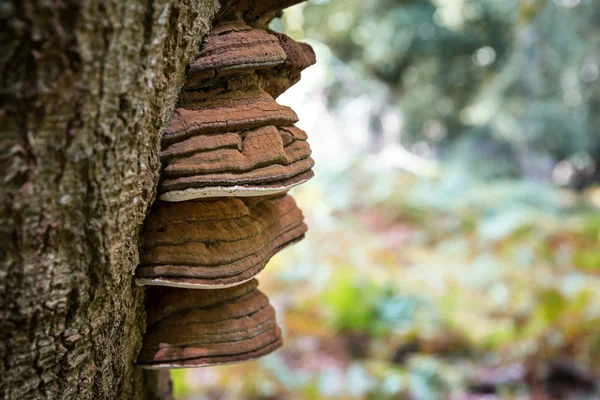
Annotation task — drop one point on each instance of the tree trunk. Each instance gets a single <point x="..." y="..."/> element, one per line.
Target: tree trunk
<point x="86" y="87"/>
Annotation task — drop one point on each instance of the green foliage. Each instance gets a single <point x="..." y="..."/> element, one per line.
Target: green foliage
<point x="421" y="50"/>
<point x="588" y="260"/>
<point x="381" y="310"/>
<point x="346" y="313"/>
<point x="180" y="389"/>
<point x="588" y="257"/>
<point x="519" y="80"/>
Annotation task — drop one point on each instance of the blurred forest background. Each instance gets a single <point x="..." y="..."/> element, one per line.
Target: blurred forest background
<point x="454" y="242"/>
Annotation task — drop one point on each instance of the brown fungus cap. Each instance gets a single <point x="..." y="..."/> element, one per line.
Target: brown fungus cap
<point x="232" y="110"/>
<point x="196" y="328"/>
<point x="257" y="161"/>
<point x="216" y="243"/>
<point x="233" y="143"/>
<point x="234" y="47"/>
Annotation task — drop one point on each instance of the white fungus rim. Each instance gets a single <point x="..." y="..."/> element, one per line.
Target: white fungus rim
<point x="225" y="191"/>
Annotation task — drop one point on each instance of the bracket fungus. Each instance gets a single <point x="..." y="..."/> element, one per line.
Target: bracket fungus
<point x="215" y="243"/>
<point x="195" y="328"/>
<point x="229" y="155"/>
<point x="228" y="136"/>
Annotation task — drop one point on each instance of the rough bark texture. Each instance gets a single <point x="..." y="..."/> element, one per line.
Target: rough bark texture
<point x="86" y="87"/>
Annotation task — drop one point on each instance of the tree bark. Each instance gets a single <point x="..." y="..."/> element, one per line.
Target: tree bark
<point x="86" y="87"/>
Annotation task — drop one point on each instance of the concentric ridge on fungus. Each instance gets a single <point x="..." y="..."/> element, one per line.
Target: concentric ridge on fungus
<point x="195" y="328"/>
<point x="228" y="136"/>
<point x="215" y="243"/>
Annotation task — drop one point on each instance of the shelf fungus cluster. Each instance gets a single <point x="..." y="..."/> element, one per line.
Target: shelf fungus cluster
<point x="228" y="136"/>
<point x="229" y="155"/>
